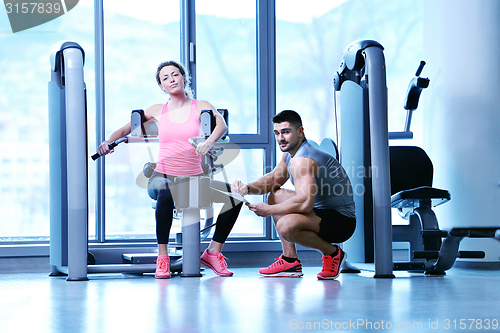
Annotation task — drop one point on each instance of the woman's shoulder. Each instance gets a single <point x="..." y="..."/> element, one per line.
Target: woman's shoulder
<point x="203" y="105"/>
<point x="154" y="111"/>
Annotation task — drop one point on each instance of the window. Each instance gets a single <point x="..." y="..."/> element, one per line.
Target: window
<point x="226" y="66"/>
<point x="24" y="137"/>
<point x="310" y="41"/>
<point x="138" y="37"/>
<point x="226" y="60"/>
<point x="247" y="167"/>
<point x="319" y="32"/>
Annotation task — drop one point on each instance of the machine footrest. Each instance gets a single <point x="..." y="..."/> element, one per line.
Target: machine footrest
<point x="435" y="233"/>
<point x="409" y="266"/>
<point x="429" y="255"/>
<point x="476" y="232"/>
<point x="145" y="258"/>
<point x="471" y="254"/>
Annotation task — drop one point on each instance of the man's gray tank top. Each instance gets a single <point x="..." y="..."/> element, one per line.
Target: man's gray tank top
<point x="334" y="187"/>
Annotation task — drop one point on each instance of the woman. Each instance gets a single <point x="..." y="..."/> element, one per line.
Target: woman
<point x="178" y="120"/>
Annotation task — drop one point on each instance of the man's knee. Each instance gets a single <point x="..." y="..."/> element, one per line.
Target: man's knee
<point x="286" y="230"/>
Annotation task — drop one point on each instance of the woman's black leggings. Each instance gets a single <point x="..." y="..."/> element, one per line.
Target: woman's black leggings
<point x="162" y="189"/>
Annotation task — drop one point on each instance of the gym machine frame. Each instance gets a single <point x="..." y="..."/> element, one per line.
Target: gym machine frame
<point x="69" y="191"/>
<point x="361" y="81"/>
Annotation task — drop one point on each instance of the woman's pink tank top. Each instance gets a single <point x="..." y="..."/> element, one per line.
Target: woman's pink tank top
<point x="177" y="157"/>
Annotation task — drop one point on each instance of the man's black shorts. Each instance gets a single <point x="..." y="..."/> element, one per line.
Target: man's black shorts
<point x="334" y="226"/>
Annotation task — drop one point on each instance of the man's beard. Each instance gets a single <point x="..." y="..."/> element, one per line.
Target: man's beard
<point x="288" y="148"/>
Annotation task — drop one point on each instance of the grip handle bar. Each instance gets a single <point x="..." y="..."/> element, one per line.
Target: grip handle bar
<point x="212" y="152"/>
<point x="112" y="145"/>
<point x="417" y="84"/>
<point x="420" y="68"/>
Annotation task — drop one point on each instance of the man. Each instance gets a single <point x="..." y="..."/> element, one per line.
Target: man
<point x="318" y="213"/>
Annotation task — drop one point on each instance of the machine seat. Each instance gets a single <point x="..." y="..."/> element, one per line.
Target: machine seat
<point x="412" y="197"/>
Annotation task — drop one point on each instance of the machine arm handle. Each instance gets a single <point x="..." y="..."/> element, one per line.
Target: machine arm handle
<point x="111" y="146"/>
<point x="420" y="68"/>
<point x="213" y="152"/>
<point x="417" y="84"/>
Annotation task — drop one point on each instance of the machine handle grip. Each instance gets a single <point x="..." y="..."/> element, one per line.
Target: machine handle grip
<point x="420" y="68"/>
<point x="112" y="145"/>
<point x="211" y="153"/>
<point x="417" y="84"/>
<point x="192" y="142"/>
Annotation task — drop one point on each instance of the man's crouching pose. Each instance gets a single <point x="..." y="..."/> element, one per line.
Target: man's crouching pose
<point x="318" y="213"/>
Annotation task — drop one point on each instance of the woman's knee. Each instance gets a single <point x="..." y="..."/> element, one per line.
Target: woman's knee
<point x="160" y="187"/>
<point x="153" y="194"/>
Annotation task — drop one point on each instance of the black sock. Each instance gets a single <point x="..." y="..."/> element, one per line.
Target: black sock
<point x="290" y="260"/>
<point x="335" y="253"/>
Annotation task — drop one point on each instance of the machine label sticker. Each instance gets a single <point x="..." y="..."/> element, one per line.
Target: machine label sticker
<point x="26" y="14"/>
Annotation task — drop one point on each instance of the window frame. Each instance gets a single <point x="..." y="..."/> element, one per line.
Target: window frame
<point x="266" y="99"/>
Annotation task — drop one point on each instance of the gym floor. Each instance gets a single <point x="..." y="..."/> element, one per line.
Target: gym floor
<point x="462" y="300"/>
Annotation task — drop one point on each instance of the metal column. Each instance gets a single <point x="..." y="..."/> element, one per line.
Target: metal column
<point x="379" y="139"/>
<point x="68" y="161"/>
<point x="364" y="146"/>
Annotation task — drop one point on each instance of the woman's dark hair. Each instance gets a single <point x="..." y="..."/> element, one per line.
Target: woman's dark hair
<point x="182" y="70"/>
<point x="288" y="115"/>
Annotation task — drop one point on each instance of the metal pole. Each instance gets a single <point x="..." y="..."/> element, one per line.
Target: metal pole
<point x="191" y="229"/>
<point x="100" y="203"/>
<point x="188" y="39"/>
<point x="76" y="143"/>
<point x="191" y="242"/>
<point x="377" y="95"/>
<point x="57" y="155"/>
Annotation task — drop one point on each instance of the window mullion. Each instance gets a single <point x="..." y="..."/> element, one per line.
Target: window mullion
<point x="188" y="39"/>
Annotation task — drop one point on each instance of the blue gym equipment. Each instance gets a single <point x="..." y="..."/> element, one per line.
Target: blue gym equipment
<point x="385" y="177"/>
<point x="69" y="253"/>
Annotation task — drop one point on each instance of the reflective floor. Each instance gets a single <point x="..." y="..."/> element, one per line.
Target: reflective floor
<point x="463" y="300"/>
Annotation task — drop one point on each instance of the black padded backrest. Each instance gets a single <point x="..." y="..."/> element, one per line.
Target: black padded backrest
<point x="411" y="167"/>
<point x="225" y="115"/>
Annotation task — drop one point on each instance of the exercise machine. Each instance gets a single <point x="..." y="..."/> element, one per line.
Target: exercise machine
<point x="365" y="111"/>
<point x="192" y="190"/>
<point x="386" y="177"/>
<point x="68" y="151"/>
<point x="69" y="254"/>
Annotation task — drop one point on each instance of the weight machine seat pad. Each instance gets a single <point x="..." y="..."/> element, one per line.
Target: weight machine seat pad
<point x="403" y="198"/>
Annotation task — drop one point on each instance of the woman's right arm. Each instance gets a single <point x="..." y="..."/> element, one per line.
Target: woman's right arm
<point x="103" y="148"/>
<point x="153" y="112"/>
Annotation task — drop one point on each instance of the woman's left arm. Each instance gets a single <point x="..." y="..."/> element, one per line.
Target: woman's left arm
<point x="218" y="132"/>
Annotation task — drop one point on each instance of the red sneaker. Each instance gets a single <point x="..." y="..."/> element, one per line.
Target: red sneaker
<point x="162" y="267"/>
<point x="282" y="268"/>
<point x="217" y="262"/>
<point x="332" y="265"/>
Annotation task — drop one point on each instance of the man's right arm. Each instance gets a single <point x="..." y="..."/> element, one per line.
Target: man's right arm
<point x="268" y="183"/>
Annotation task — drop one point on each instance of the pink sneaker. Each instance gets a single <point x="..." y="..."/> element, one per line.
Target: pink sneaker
<point x="282" y="268"/>
<point x="162" y="267"/>
<point x="332" y="266"/>
<point x="216" y="262"/>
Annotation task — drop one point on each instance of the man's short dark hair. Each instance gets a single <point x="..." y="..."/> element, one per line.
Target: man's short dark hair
<point x="288" y="115"/>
